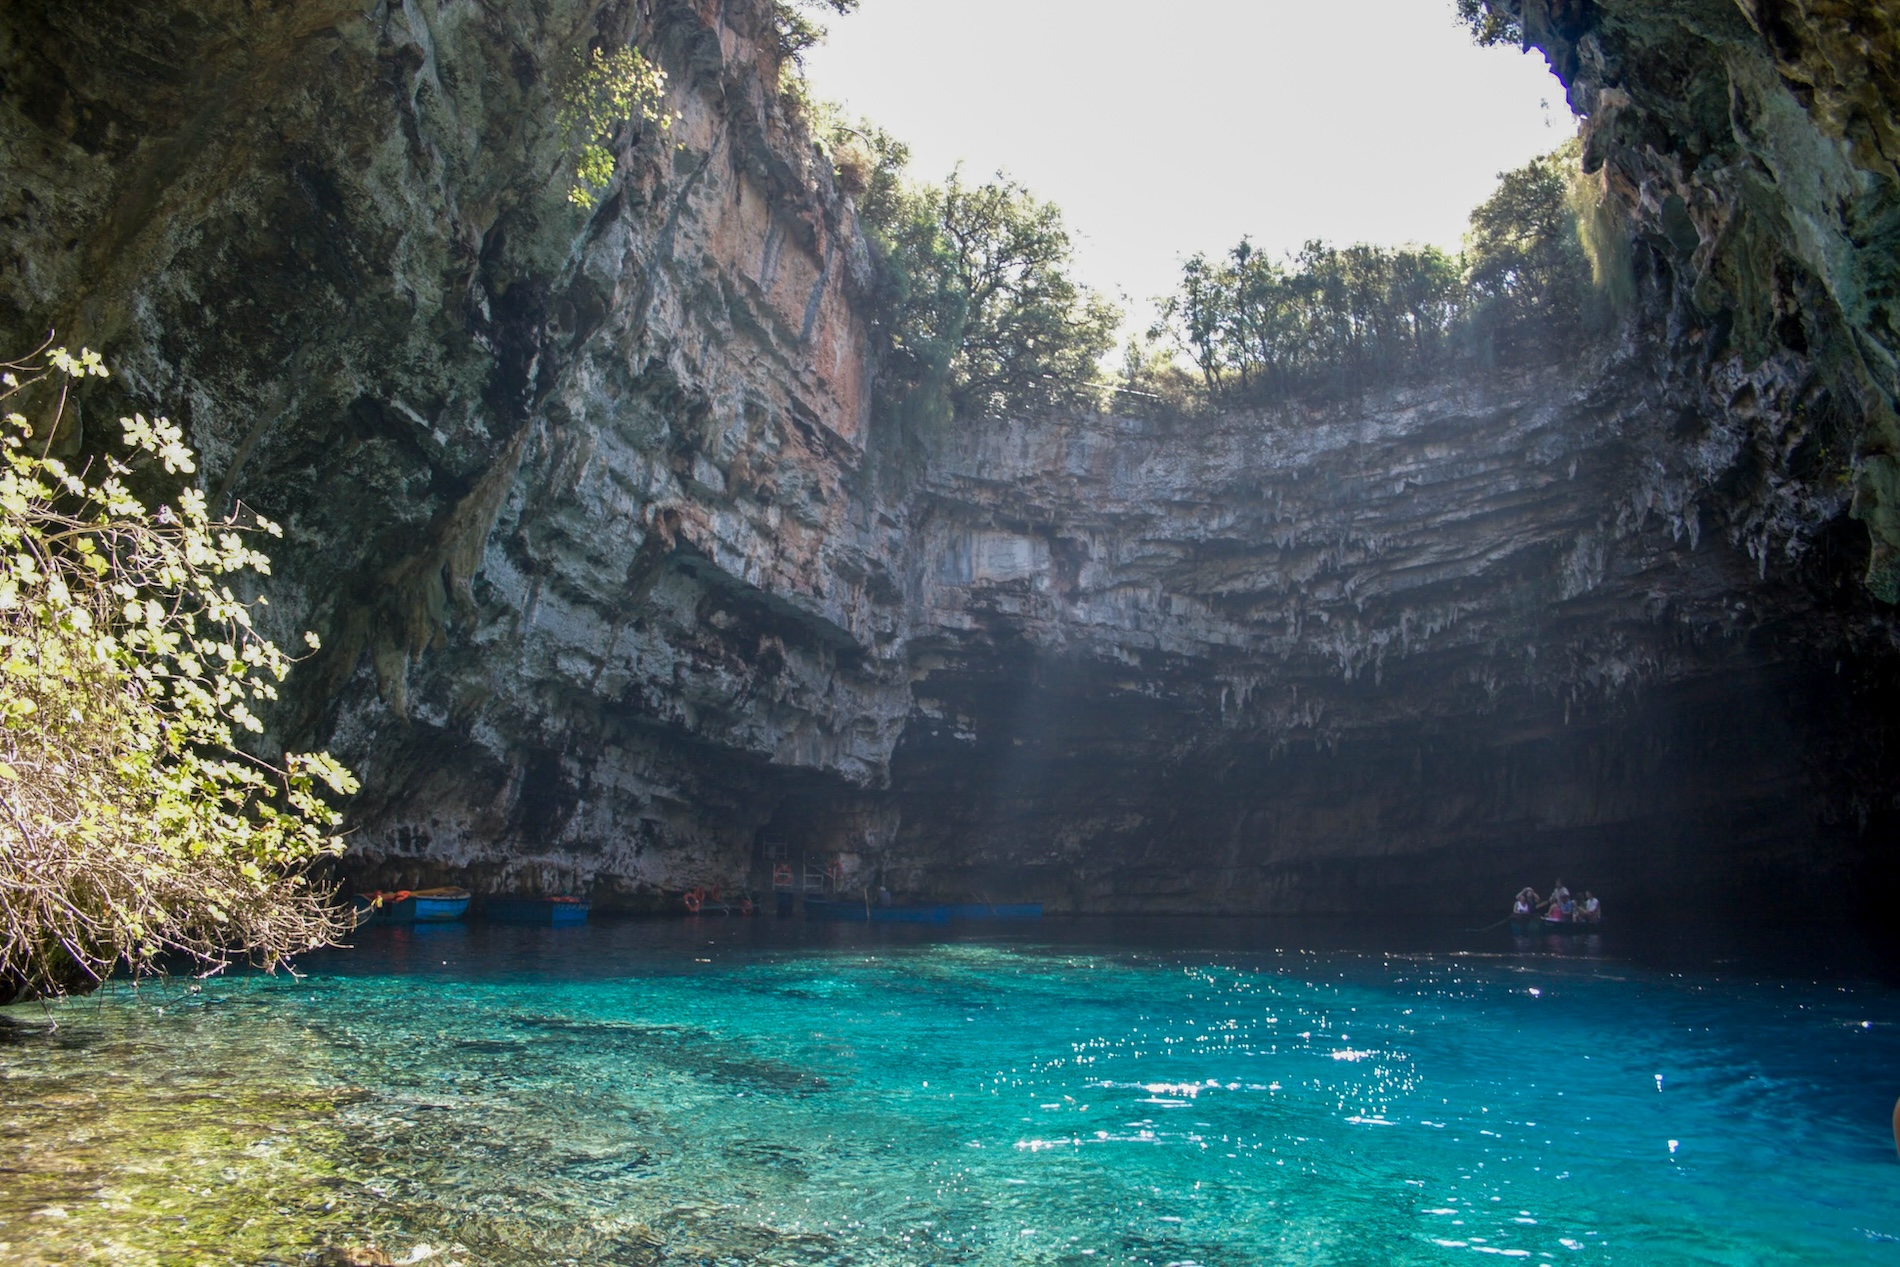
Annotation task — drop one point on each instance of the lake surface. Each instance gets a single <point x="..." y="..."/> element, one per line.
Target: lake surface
<point x="1070" y="1092"/>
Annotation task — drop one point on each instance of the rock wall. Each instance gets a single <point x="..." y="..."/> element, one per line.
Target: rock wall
<point x="571" y="498"/>
<point x="1384" y="652"/>
<point x="625" y="587"/>
<point x="1749" y="148"/>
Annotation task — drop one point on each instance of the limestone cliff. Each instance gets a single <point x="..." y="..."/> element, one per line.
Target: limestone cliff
<point x="1750" y="148"/>
<point x="624" y="584"/>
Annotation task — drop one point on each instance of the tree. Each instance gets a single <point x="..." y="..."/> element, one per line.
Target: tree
<point x="135" y="825"/>
<point x="1331" y="319"/>
<point x="1528" y="277"/>
<point x="983" y="303"/>
<point x="798" y="33"/>
<point x="1490" y="23"/>
<point x="1327" y="317"/>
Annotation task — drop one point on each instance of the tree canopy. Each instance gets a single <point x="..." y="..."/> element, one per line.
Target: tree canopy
<point x="1341" y="317"/>
<point x="1489" y="24"/>
<point x="981" y="308"/>
<point x="798" y="33"/>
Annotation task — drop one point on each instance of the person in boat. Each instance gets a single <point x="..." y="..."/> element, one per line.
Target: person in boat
<point x="1589" y="911"/>
<point x="1525" y="903"/>
<point x="1561" y="906"/>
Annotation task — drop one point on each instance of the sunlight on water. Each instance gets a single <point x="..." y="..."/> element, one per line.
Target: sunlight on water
<point x="641" y="1093"/>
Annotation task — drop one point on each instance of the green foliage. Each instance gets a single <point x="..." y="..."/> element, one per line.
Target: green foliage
<point x="1525" y="266"/>
<point x="1151" y="380"/>
<point x="606" y="91"/>
<point x="1601" y="230"/>
<point x="796" y="32"/>
<point x="135" y="824"/>
<point x="1253" y="324"/>
<point x="1337" y="319"/>
<point x="981" y="310"/>
<point x="1490" y="23"/>
<point x="866" y="161"/>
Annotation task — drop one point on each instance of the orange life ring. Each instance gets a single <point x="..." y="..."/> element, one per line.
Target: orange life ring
<point x="782" y="876"/>
<point x="694" y="900"/>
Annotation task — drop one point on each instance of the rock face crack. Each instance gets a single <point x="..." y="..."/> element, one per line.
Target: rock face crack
<point x="617" y="595"/>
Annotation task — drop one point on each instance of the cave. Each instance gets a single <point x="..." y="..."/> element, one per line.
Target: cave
<point x="628" y="584"/>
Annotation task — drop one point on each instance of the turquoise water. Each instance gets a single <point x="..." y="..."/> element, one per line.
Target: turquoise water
<point x="757" y="1092"/>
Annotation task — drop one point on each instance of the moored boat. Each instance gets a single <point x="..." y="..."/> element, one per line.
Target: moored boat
<point x="559" y="911"/>
<point x="996" y="910"/>
<point x="412" y="906"/>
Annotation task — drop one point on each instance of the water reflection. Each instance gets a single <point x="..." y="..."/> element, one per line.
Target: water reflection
<point x="1566" y="945"/>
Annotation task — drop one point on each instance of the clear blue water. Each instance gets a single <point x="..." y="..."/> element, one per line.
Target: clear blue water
<point x="1072" y="1093"/>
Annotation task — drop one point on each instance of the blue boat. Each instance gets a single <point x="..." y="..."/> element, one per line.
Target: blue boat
<point x="996" y="910"/>
<point x="559" y="911"/>
<point x="412" y="906"/>
<point x="858" y="912"/>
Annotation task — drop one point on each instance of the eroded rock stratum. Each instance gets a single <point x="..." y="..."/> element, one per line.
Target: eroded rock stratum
<point x="624" y="582"/>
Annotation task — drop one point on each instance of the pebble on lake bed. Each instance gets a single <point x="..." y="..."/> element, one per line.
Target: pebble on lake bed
<point x="370" y="1256"/>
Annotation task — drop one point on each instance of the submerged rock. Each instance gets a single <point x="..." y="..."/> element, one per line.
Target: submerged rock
<point x="625" y="587"/>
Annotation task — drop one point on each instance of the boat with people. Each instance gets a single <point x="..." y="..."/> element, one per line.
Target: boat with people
<point x="1559" y="913"/>
<point x="412" y="906"/>
<point x="559" y="910"/>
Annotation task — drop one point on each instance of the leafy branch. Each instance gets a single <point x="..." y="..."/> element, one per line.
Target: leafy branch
<point x="133" y="825"/>
<point x="606" y="91"/>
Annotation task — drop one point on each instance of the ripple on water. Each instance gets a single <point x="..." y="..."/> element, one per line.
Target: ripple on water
<point x="908" y="1102"/>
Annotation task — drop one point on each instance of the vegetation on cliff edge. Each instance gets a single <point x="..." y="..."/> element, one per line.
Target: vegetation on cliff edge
<point x="133" y="824"/>
<point x="1526" y="288"/>
<point x="981" y="312"/>
<point x="1489" y="24"/>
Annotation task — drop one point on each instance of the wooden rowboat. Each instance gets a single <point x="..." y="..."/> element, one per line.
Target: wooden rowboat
<point x="412" y="906"/>
<point x="560" y="911"/>
<point x="1526" y="925"/>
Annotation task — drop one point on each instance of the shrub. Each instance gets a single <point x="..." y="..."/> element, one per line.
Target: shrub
<point x="605" y="91"/>
<point x="135" y="825"/>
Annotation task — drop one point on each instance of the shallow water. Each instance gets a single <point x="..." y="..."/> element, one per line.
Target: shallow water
<point x="1071" y="1092"/>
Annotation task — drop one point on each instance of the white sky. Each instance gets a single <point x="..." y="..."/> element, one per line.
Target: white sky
<point x="1162" y="130"/>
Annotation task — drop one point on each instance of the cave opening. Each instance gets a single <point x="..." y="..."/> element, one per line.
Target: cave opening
<point x="954" y="640"/>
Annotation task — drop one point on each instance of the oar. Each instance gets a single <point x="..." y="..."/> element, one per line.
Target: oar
<point x="1501" y="923"/>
